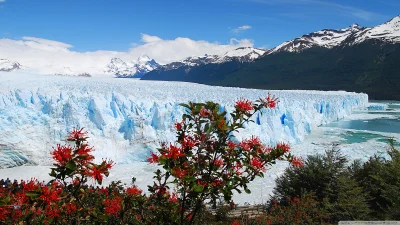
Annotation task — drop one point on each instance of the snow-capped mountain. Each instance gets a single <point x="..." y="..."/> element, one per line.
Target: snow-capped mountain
<point x="327" y="38"/>
<point x="387" y="32"/>
<point x="242" y="55"/>
<point x="8" y="66"/>
<point x="133" y="69"/>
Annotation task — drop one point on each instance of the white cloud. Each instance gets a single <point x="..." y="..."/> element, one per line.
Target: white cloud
<point x="2" y="1"/>
<point x="241" y="28"/>
<point x="49" y="57"/>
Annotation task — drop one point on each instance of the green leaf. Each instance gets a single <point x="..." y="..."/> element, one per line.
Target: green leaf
<point x="162" y="160"/>
<point x="71" y="165"/>
<point x="247" y="190"/>
<point x="190" y="179"/>
<point x="184" y="105"/>
<point x="198" y="188"/>
<point x="33" y="194"/>
<point x="52" y="173"/>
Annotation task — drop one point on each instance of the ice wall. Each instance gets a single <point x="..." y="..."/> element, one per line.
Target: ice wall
<point x="128" y="118"/>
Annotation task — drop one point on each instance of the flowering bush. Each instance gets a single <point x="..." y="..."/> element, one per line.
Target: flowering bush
<point x="205" y="162"/>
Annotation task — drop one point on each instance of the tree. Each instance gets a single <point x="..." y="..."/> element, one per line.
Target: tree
<point x="205" y="163"/>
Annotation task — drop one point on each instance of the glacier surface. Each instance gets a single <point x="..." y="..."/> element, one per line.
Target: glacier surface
<point x="126" y="119"/>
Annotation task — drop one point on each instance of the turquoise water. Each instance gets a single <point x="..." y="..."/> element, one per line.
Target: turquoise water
<point x="359" y="130"/>
<point x="380" y="125"/>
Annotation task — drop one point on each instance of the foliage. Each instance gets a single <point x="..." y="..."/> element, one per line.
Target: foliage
<point x="380" y="178"/>
<point x="330" y="181"/>
<point x="205" y="163"/>
<point x="68" y="199"/>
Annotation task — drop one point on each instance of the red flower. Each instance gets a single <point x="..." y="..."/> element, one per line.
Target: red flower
<point x="173" y="198"/>
<point x="199" y="182"/>
<point x="76" y="134"/>
<point x="108" y="164"/>
<point x="218" y="162"/>
<point x="270" y="102"/>
<point x="297" y="161"/>
<point x="221" y="124"/>
<point x="237" y="167"/>
<point x="112" y="206"/>
<point x="254" y="141"/>
<point x="189" y="142"/>
<point x="3" y="213"/>
<point x="258" y="164"/>
<point x="245" y="145"/>
<point x="153" y="158"/>
<point x="173" y="152"/>
<point x="283" y="147"/>
<point x="178" y="126"/>
<point x="231" y="145"/>
<point x="84" y="149"/>
<point x="50" y="194"/>
<point x="95" y="173"/>
<point x="52" y="211"/>
<point x="70" y="208"/>
<point x="134" y="190"/>
<point x="216" y="183"/>
<point x="204" y="112"/>
<point x="244" y="105"/>
<point x="179" y="173"/>
<point x="62" y="154"/>
<point x="236" y="222"/>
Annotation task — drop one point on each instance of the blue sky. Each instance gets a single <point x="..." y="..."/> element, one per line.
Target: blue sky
<point x="117" y="25"/>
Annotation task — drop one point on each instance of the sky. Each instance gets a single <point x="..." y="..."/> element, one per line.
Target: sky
<point x="206" y="26"/>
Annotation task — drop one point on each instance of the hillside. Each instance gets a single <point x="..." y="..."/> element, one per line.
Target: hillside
<point x="371" y="67"/>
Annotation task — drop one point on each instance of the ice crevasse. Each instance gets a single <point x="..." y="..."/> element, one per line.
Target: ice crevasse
<point x="127" y="119"/>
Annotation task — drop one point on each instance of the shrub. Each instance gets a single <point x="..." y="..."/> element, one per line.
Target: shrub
<point x="204" y="163"/>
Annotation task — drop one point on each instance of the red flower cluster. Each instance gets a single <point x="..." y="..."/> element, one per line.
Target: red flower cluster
<point x="244" y="105"/>
<point x="133" y="191"/>
<point x="258" y="164"/>
<point x="112" y="207"/>
<point x="77" y="134"/>
<point x="283" y="147"/>
<point x="204" y="112"/>
<point x="153" y="158"/>
<point x="270" y="101"/>
<point x="51" y="193"/>
<point x="178" y="126"/>
<point x="62" y="154"/>
<point x="173" y="152"/>
<point x="297" y="161"/>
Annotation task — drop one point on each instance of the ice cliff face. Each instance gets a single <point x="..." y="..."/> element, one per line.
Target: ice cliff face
<point x="128" y="118"/>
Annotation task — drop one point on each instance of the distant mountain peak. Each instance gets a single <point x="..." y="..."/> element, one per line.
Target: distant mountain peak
<point x="134" y="69"/>
<point x="241" y="54"/>
<point x="144" y="58"/>
<point x="8" y="66"/>
<point x="354" y="34"/>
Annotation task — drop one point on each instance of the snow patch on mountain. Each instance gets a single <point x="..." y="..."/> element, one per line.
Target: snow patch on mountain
<point x="133" y="69"/>
<point x="327" y="38"/>
<point x="388" y="32"/>
<point x="242" y="55"/>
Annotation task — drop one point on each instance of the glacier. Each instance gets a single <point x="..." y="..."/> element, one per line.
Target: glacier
<point x="126" y="119"/>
